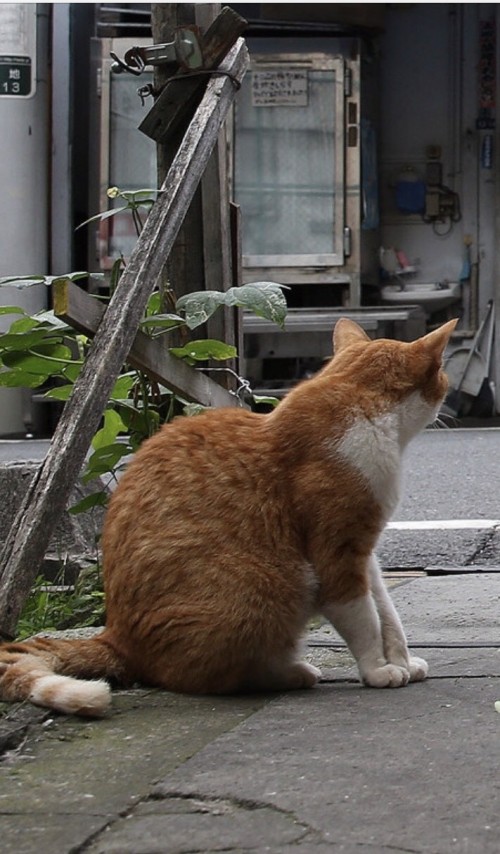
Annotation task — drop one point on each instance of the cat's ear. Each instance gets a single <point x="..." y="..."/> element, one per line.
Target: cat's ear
<point x="347" y="332"/>
<point x="435" y="342"/>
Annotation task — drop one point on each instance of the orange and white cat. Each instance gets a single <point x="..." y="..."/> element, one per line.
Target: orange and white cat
<point x="231" y="529"/>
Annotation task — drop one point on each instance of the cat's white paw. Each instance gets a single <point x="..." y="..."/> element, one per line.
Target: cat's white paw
<point x="388" y="676"/>
<point x="418" y="669"/>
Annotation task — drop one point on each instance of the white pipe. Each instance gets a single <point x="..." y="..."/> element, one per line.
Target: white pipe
<point x="24" y="169"/>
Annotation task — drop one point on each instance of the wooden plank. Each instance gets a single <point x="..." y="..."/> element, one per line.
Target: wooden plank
<point x="199" y="257"/>
<point x="84" y="313"/>
<point x="237" y="275"/>
<point x="47" y="495"/>
<point x="180" y="96"/>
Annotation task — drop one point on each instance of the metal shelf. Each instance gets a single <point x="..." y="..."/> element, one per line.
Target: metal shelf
<point x="323" y="320"/>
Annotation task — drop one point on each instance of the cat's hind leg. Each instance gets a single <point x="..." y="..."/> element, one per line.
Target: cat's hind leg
<point x="283" y="675"/>
<point x="393" y="635"/>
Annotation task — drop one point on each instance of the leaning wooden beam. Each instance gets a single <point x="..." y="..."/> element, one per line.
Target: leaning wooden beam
<point x="48" y="493"/>
<point x="84" y="313"/>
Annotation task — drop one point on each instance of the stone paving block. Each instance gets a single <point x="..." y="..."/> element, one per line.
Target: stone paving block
<point x="74" y="534"/>
<point x="443" y="663"/>
<point x="439" y="609"/>
<point x="78" y="771"/>
<point x="179" y="826"/>
<point x="414" y="769"/>
<point x="50" y="833"/>
<point x="463" y="609"/>
<point x="340" y="767"/>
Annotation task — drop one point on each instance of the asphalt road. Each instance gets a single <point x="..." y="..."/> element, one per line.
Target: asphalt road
<point x="453" y="476"/>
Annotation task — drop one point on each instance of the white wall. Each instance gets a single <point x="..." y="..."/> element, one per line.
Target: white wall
<point x="24" y="201"/>
<point x="429" y="87"/>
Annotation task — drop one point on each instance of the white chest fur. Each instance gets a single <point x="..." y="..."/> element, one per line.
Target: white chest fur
<point x="373" y="448"/>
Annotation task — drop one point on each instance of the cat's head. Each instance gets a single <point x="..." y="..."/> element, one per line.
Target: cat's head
<point x="408" y="375"/>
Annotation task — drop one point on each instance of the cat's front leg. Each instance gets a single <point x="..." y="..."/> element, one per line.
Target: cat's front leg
<point x="393" y="635"/>
<point x="359" y="624"/>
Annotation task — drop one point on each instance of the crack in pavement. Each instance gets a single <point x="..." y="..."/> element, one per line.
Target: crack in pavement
<point x="172" y="807"/>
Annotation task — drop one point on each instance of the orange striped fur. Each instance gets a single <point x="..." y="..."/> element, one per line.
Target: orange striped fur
<point x="229" y="530"/>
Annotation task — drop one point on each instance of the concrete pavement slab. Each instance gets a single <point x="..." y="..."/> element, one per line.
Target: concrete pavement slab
<point x="465" y="608"/>
<point x="23" y="450"/>
<point x="341" y="768"/>
<point x="192" y="824"/>
<point x="72" y="777"/>
<point x="444" y="663"/>
<point x="412" y="770"/>
<point x="440" y="609"/>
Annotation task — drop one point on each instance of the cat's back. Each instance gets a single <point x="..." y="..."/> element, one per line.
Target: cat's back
<point x="200" y="501"/>
<point x="214" y="439"/>
<point x="192" y="466"/>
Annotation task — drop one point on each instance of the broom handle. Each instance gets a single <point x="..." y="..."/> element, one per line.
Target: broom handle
<point x="489" y="349"/>
<point x="475" y="341"/>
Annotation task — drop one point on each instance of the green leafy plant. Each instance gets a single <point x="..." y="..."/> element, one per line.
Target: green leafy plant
<point x="43" y="352"/>
<point x="53" y="606"/>
<point x="133" y="201"/>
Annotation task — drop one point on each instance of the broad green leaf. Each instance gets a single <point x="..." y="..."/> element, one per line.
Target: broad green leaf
<point x="21" y="281"/>
<point x="138" y="421"/>
<point x="154" y="304"/>
<point x="192" y="409"/>
<point x="71" y="371"/>
<point x="24" y="341"/>
<point x="21" y="379"/>
<point x="23" y="324"/>
<point x="113" y="425"/>
<point x="73" y="277"/>
<point x="104" y="460"/>
<point x="102" y="215"/>
<point x="265" y="299"/>
<point x="45" y="360"/>
<point x="11" y="309"/>
<point x="199" y="306"/>
<point x="96" y="499"/>
<point x="162" y="321"/>
<point x="200" y="351"/>
<point x="122" y="387"/>
<point x="132" y="194"/>
<point x="129" y="413"/>
<point x="60" y="392"/>
<point x="141" y="203"/>
<point x="263" y="398"/>
<point x="49" y="319"/>
<point x="30" y="281"/>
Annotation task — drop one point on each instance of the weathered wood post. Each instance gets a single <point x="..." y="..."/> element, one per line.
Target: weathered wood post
<point x="48" y="493"/>
<point x="201" y="255"/>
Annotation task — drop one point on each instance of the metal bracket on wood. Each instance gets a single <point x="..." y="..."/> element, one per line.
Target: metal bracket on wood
<point x="179" y="97"/>
<point x="185" y="52"/>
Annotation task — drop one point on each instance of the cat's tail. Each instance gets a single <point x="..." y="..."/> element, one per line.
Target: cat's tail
<point x="43" y="671"/>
